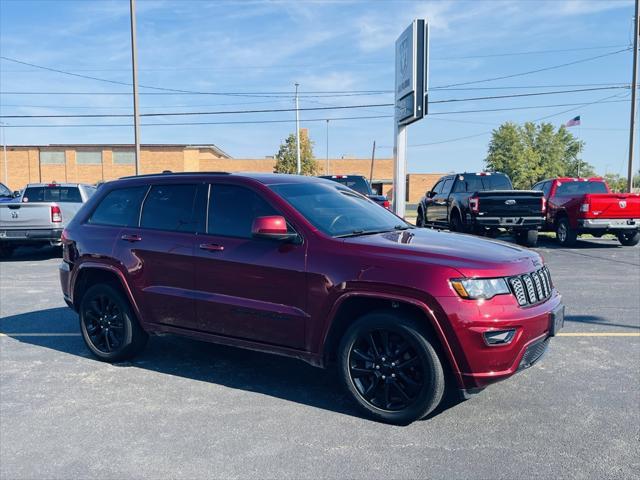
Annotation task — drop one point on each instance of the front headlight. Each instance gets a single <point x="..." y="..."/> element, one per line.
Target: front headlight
<point x="475" y="288"/>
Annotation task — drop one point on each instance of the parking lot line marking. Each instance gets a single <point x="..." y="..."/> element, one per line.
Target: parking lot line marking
<point x="40" y="334"/>
<point x="599" y="334"/>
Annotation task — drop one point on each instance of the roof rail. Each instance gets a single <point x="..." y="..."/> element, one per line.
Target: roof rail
<point x="169" y="172"/>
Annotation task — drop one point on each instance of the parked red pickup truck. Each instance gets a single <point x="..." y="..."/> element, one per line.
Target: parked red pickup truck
<point x="587" y="205"/>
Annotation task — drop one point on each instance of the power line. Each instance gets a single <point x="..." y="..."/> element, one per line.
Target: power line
<point x="331" y="107"/>
<point x="238" y="122"/>
<point x="538" y="70"/>
<point x="529" y="52"/>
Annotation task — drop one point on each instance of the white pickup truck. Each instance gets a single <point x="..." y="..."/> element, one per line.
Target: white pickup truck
<point x="38" y="216"/>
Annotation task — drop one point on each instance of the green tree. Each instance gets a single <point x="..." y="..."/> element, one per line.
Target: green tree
<point x="616" y="182"/>
<point x="532" y="152"/>
<point x="286" y="158"/>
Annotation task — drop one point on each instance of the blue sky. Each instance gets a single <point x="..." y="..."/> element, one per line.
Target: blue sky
<point x="267" y="46"/>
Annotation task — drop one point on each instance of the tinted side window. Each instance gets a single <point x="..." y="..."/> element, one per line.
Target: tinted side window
<point x="437" y="187"/>
<point x="446" y="187"/>
<point x="119" y="207"/>
<point x="232" y="210"/>
<point x="170" y="207"/>
<point x="546" y="188"/>
<point x="459" y="186"/>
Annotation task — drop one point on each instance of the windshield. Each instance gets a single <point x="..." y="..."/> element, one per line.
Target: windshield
<point x="4" y="191"/>
<point x="359" y="184"/>
<point x="338" y="211"/>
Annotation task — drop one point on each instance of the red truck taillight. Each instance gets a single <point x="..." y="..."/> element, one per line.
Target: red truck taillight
<point x="544" y="205"/>
<point x="56" y="214"/>
<point x="474" y="204"/>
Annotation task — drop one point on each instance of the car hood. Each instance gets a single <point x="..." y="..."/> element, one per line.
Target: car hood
<point x="471" y="256"/>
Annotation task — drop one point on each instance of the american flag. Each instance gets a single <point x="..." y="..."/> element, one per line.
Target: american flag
<point x="573" y="122"/>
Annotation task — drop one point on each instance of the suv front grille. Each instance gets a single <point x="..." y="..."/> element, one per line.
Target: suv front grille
<point x="531" y="288"/>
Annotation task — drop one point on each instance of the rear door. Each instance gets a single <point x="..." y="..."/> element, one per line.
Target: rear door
<point x="249" y="288"/>
<point x="161" y="251"/>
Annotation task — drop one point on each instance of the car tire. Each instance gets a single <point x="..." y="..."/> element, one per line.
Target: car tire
<point x="108" y="326"/>
<point x="420" y="222"/>
<point x="455" y="223"/>
<point x="389" y="366"/>
<point x="527" y="238"/>
<point x="629" y="239"/>
<point x="565" y="235"/>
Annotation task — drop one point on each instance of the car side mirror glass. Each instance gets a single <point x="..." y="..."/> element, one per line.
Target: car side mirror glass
<point x="273" y="227"/>
<point x="16" y="193"/>
<point x="431" y="194"/>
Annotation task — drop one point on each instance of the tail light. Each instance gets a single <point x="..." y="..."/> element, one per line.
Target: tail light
<point x="544" y="205"/>
<point x="56" y="214"/>
<point x="474" y="203"/>
<point x="386" y="204"/>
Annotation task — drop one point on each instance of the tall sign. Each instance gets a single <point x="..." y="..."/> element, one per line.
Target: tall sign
<point x="411" y="98"/>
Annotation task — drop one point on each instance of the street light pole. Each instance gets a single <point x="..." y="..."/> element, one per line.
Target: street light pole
<point x="4" y="156"/>
<point x="634" y="88"/>
<point x="134" y="67"/>
<point x="327" y="165"/>
<point x="298" y="161"/>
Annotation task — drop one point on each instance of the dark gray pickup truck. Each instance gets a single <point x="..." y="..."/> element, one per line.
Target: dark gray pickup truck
<point x="483" y="203"/>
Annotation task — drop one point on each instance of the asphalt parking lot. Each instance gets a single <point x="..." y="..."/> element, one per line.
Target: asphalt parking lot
<point x="192" y="410"/>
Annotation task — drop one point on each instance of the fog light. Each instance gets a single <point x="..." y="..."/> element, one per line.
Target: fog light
<point x="499" y="337"/>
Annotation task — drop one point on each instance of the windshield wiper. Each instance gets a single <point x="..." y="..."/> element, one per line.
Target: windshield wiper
<point x="358" y="233"/>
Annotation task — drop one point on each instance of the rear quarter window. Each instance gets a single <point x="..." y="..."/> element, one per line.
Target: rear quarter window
<point x="120" y="207"/>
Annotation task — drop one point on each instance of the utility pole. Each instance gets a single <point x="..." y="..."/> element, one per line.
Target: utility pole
<point x="4" y="156"/>
<point x="373" y="157"/>
<point x="134" y="67"/>
<point x="634" y="88"/>
<point x="326" y="168"/>
<point x="298" y="162"/>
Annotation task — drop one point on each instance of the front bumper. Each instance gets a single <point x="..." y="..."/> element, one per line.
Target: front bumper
<point x="30" y="235"/>
<point x="480" y="364"/>
<point x="609" y="223"/>
<point x="510" y="222"/>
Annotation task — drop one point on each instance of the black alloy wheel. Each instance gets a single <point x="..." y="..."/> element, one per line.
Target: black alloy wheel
<point x="104" y="323"/>
<point x="455" y="223"/>
<point x="629" y="239"/>
<point x="108" y="325"/>
<point x="390" y="367"/>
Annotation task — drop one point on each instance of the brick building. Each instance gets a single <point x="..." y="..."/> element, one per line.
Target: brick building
<point x="102" y="162"/>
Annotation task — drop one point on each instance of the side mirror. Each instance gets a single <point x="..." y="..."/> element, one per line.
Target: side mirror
<point x="16" y="193"/>
<point x="273" y="227"/>
<point x="431" y="194"/>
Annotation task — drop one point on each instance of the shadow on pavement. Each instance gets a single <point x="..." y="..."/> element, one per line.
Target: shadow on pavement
<point x="22" y="254"/>
<point x="272" y="375"/>
<point x="596" y="320"/>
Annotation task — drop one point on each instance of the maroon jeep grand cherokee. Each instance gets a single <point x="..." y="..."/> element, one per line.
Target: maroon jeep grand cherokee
<point x="307" y="268"/>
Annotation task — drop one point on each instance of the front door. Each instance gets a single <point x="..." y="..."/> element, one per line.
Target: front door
<point x="248" y="288"/>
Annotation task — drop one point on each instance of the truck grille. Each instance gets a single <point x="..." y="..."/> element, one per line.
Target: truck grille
<point x="532" y="288"/>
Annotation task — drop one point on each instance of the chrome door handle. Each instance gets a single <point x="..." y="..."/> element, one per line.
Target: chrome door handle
<point x="211" y="247"/>
<point x="131" y="238"/>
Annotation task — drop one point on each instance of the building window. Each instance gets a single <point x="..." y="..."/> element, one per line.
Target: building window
<point x="52" y="157"/>
<point x="124" y="157"/>
<point x="89" y="157"/>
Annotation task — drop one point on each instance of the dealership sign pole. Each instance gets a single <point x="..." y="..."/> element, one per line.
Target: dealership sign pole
<point x="411" y="87"/>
